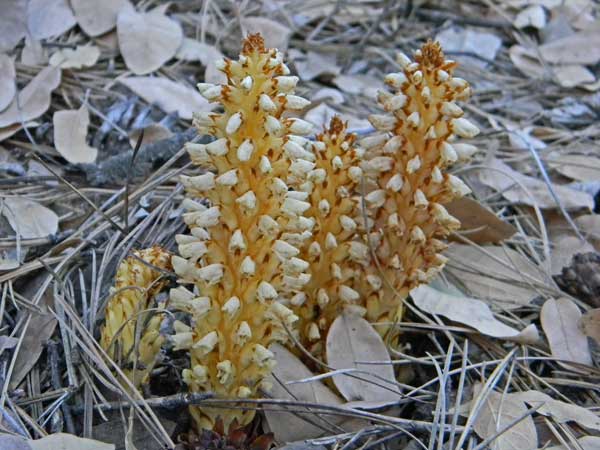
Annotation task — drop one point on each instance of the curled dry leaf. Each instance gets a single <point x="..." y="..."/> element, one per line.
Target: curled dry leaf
<point x="500" y="276"/>
<point x="504" y="179"/>
<point x="8" y="86"/>
<point x="471" y="312"/>
<point x="288" y="427"/>
<point x="70" y="132"/>
<point x="147" y="40"/>
<point x="478" y="223"/>
<point x="28" y="218"/>
<point x="33" y="100"/>
<point x="81" y="56"/>
<point x="13" y="23"/>
<point x="352" y="342"/>
<point x="499" y="411"/>
<point x="589" y="324"/>
<point x="169" y="95"/>
<point x="561" y="411"/>
<point x="48" y="18"/>
<point x="97" y="17"/>
<point x="275" y="34"/>
<point x="560" y="321"/>
<point x="63" y="441"/>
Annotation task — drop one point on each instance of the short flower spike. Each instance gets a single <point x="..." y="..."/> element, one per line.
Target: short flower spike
<point x="407" y="158"/>
<point x="334" y="254"/>
<point x="136" y="283"/>
<point x="242" y="259"/>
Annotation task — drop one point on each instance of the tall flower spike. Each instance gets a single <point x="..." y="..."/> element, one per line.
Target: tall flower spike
<point x="414" y="138"/>
<point x="334" y="255"/>
<point x="136" y="283"/>
<point x="243" y="253"/>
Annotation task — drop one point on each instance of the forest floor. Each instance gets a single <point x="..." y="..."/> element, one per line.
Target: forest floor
<point x="500" y="352"/>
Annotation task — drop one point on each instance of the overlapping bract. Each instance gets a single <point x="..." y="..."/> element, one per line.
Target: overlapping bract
<point x="406" y="163"/>
<point x="241" y="261"/>
<point x="135" y="285"/>
<point x="336" y="255"/>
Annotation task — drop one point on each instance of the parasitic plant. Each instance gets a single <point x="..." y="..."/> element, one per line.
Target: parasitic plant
<point x="335" y="254"/>
<point x="242" y="260"/>
<point x="406" y="164"/>
<point x="137" y="280"/>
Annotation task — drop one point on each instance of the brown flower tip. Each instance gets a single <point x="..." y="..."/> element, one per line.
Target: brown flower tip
<point x="431" y="55"/>
<point x="253" y="42"/>
<point x="336" y="126"/>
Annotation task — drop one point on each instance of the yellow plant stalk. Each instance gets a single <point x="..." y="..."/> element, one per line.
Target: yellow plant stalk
<point x="335" y="254"/>
<point x="407" y="158"/>
<point x="241" y="262"/>
<point x="135" y="285"/>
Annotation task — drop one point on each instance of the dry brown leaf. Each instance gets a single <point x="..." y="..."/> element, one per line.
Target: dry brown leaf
<point x="589" y="225"/>
<point x="169" y="95"/>
<point x="193" y="50"/>
<point x="147" y="40"/>
<point x="315" y="64"/>
<point x="577" y="167"/>
<point x="578" y="48"/>
<point x="499" y="411"/>
<point x="286" y="426"/>
<point x="564" y="248"/>
<point x="508" y="284"/>
<point x="41" y="327"/>
<point x="560" y="320"/>
<point x="8" y="86"/>
<point x="478" y="223"/>
<point x="63" y="441"/>
<point x="13" y="23"/>
<point x="49" y="18"/>
<point x="503" y="179"/>
<point x="82" y="56"/>
<point x="350" y="341"/>
<point x="97" y="17"/>
<point x="561" y="411"/>
<point x="590" y="324"/>
<point x="28" y="218"/>
<point x="275" y="34"/>
<point x="469" y="311"/>
<point x="152" y="133"/>
<point x="70" y="133"/>
<point x="572" y="75"/>
<point x="526" y="62"/>
<point x="33" y="100"/>
<point x="470" y="40"/>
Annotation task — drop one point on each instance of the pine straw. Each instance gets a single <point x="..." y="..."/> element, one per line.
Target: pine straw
<point x="75" y="268"/>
